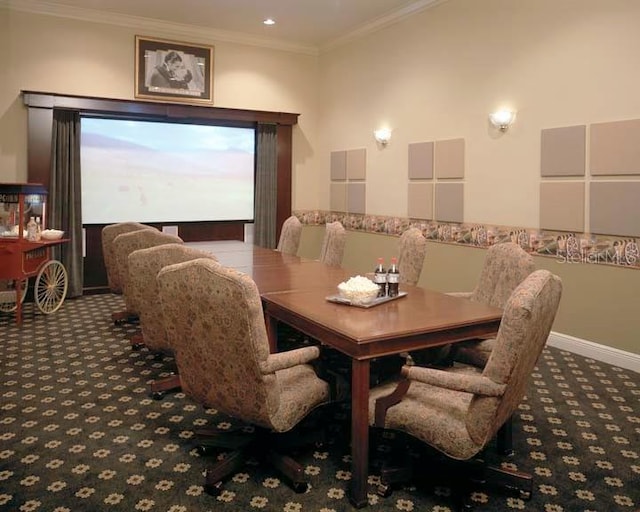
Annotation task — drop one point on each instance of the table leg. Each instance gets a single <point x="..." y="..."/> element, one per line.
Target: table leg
<point x="359" y="432"/>
<point x="272" y="332"/>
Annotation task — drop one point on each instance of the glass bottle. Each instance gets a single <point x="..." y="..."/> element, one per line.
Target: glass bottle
<point x="32" y="229"/>
<point x="393" y="278"/>
<point x="38" y="229"/>
<point x="380" y="278"/>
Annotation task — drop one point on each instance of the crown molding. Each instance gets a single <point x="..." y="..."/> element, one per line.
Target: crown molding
<point x="196" y="33"/>
<point x="380" y="23"/>
<point x="192" y="33"/>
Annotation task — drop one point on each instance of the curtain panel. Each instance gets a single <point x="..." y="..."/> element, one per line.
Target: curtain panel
<point x="264" y="233"/>
<point x="65" y="210"/>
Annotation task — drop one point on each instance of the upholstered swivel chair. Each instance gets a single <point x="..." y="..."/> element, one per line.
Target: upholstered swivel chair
<point x="506" y="266"/>
<point x="125" y="244"/>
<point x="215" y="324"/>
<point x="332" y="249"/>
<point x="143" y="267"/>
<point x="413" y="247"/>
<point x="290" y="236"/>
<point x="109" y="234"/>
<point x="457" y="414"/>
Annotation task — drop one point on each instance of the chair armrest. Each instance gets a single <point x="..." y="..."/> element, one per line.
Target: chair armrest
<point x="384" y="402"/>
<point x="477" y="384"/>
<point x="464" y="295"/>
<point x="289" y="359"/>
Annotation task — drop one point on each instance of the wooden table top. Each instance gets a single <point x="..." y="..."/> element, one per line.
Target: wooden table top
<point x="421" y="319"/>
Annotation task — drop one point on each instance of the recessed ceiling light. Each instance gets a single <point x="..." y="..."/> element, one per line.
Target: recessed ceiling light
<point x="269" y="21"/>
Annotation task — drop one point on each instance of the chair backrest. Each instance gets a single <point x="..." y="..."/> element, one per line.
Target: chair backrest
<point x="215" y="324"/>
<point x="526" y="322"/>
<point x="413" y="247"/>
<point x="144" y="265"/>
<point x="332" y="250"/>
<point x="125" y="244"/>
<point x="290" y="236"/>
<point x="505" y="267"/>
<point x="109" y="234"/>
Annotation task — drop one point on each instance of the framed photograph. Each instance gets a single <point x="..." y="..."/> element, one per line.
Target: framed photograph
<point x="173" y="71"/>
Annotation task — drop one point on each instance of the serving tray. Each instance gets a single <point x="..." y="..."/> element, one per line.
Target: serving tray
<point x="375" y="302"/>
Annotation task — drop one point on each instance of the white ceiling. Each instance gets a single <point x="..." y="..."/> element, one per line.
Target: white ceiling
<point x="311" y="24"/>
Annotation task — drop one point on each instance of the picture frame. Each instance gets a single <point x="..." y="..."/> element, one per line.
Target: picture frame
<point x="173" y="71"/>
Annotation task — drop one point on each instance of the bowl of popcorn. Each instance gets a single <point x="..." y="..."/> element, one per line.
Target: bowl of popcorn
<point x="358" y="290"/>
<point x="51" y="234"/>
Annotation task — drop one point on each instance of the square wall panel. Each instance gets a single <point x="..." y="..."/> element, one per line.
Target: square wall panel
<point x="449" y="202"/>
<point x="562" y="205"/>
<point x="562" y="151"/>
<point x="615" y="148"/>
<point x="421" y="161"/>
<point x="338" y="197"/>
<point x="420" y="201"/>
<point x="357" y="164"/>
<point x="613" y="208"/>
<point x="449" y="158"/>
<point x="338" y="165"/>
<point x="356" y="197"/>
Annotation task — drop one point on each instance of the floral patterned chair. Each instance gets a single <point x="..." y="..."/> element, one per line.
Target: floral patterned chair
<point x="109" y="234"/>
<point x="215" y="324"/>
<point x="332" y="249"/>
<point x="413" y="247"/>
<point x="290" y="236"/>
<point x="125" y="244"/>
<point x="458" y="413"/>
<point x="506" y="266"/>
<point x="143" y="267"/>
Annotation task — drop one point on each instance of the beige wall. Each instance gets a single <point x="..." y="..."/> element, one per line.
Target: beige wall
<point x="58" y="55"/>
<point x="438" y="74"/>
<point x="599" y="303"/>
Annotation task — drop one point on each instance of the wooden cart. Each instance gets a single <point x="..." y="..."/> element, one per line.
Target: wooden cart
<point x="21" y="258"/>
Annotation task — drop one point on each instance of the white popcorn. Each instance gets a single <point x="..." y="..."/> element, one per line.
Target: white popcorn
<point x="359" y="290"/>
<point x="358" y="284"/>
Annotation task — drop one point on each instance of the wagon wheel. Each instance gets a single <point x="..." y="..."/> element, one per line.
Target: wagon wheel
<point x="51" y="287"/>
<point x="8" y="295"/>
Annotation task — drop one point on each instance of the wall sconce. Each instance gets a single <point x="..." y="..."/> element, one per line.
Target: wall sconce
<point x="382" y="135"/>
<point x="502" y="119"/>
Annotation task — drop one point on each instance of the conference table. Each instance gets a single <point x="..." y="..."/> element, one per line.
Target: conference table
<point x="294" y="291"/>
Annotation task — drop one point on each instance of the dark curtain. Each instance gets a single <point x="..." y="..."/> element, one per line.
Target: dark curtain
<point x="65" y="210"/>
<point x="264" y="230"/>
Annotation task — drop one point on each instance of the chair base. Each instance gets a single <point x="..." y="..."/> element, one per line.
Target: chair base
<point x="136" y="341"/>
<point x="159" y="388"/>
<point x="260" y="444"/>
<point x="462" y="476"/>
<point x="124" y="317"/>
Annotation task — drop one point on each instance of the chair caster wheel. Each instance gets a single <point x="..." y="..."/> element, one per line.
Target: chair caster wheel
<point x="300" y="487"/>
<point x="204" y="451"/>
<point x="158" y="395"/>
<point x="384" y="490"/>
<point x="525" y="495"/>
<point x="213" y="489"/>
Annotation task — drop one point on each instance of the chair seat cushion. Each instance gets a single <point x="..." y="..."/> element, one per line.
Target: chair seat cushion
<point x="300" y="392"/>
<point x="434" y="415"/>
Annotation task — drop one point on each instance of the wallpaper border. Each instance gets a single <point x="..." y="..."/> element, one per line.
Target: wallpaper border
<point x="568" y="247"/>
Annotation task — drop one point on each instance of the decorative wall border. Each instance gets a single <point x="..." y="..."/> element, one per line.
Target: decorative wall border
<point x="568" y="247"/>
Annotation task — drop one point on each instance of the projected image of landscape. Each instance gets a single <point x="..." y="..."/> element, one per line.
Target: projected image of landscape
<point x="165" y="172"/>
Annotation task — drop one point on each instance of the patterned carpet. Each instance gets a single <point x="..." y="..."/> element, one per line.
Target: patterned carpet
<point x="78" y="432"/>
